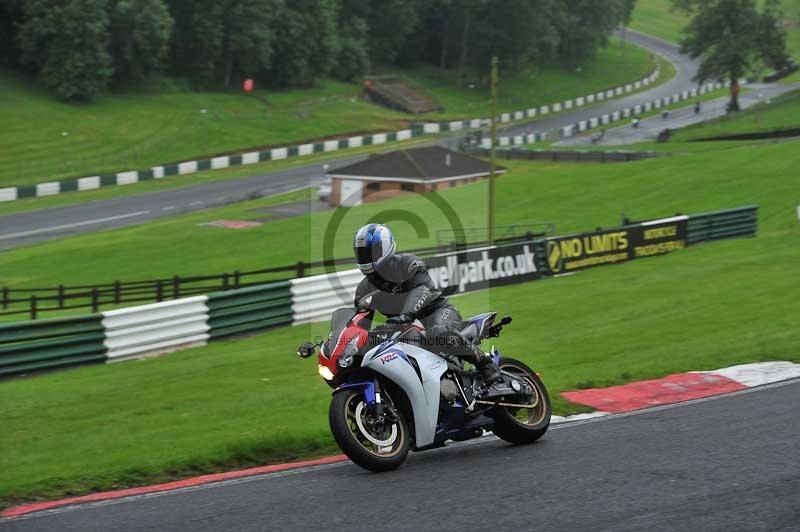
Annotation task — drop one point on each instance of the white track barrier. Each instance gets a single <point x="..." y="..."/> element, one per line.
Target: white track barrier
<point x="156" y="328"/>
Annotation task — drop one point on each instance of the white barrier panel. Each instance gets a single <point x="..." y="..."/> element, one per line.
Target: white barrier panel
<point x="657" y="104"/>
<point x="504" y="141"/>
<point x="189" y="167"/>
<point x="430" y="127"/>
<point x="456" y="126"/>
<point x="626" y="113"/>
<point x="330" y="145"/>
<point x="158" y="172"/>
<point x="590" y="98"/>
<point x="156" y="328"/>
<point x="637" y="109"/>
<point x="580" y="101"/>
<point x="8" y="194"/>
<point x="48" y="189"/>
<point x="568" y="104"/>
<point x="128" y="178"/>
<point x="220" y="162"/>
<point x="519" y="115"/>
<point x="545" y="109"/>
<point x="593" y="122"/>
<point x="252" y="157"/>
<point x="615" y="116"/>
<point x="531" y="112"/>
<point x="530" y="138"/>
<point x="566" y="131"/>
<point x="637" y="85"/>
<point x="604" y="119"/>
<point x="315" y="298"/>
<point x="89" y="183"/>
<point x="279" y="153"/>
<point x="556" y="107"/>
<point x="505" y="117"/>
<point x="379" y="138"/>
<point x="600" y="96"/>
<point x="404" y="134"/>
<point x="305" y="149"/>
<point x="475" y="123"/>
<point x="582" y="125"/>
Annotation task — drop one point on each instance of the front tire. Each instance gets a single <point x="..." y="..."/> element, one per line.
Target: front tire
<point x="373" y="447"/>
<point x="523" y="425"/>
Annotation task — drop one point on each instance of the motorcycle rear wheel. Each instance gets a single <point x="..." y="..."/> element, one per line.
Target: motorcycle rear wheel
<point x="523" y="425"/>
<point x="372" y="447"/>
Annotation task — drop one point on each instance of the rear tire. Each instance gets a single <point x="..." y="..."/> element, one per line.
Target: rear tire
<point x="523" y="425"/>
<point x="353" y="433"/>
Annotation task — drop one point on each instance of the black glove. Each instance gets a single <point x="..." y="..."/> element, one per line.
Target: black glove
<point x="400" y="319"/>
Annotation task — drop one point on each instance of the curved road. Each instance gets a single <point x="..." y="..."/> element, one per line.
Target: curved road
<point x="35" y="226"/>
<point x="726" y="463"/>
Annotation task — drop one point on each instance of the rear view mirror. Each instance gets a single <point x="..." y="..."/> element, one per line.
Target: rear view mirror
<point x="306" y="349"/>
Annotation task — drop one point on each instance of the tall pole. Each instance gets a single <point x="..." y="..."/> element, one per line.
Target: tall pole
<point x="492" y="149"/>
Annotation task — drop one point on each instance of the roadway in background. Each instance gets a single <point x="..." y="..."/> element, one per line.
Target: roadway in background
<point x="47" y="224"/>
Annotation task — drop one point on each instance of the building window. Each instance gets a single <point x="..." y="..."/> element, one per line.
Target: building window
<point x="374" y="187"/>
<point x="406" y="187"/>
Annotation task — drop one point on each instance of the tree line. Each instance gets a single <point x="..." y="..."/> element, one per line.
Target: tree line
<point x="79" y="48"/>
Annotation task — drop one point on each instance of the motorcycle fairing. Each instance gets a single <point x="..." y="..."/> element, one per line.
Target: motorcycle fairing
<point x="422" y="389"/>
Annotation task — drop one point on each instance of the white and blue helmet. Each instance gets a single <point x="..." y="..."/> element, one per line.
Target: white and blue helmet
<point x="373" y="245"/>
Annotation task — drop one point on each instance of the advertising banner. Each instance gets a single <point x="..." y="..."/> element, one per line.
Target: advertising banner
<point x="483" y="268"/>
<point x="567" y="254"/>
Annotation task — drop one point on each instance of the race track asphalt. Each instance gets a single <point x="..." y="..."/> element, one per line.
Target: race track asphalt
<point x="731" y="463"/>
<point x="41" y="225"/>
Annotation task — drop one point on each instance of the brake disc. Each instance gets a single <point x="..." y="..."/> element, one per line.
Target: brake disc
<point x="366" y="432"/>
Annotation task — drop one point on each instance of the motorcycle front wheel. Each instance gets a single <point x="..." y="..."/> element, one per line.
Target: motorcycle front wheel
<point x="523" y="424"/>
<point x="369" y="442"/>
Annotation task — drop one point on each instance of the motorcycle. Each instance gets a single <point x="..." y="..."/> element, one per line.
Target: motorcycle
<point x="393" y="395"/>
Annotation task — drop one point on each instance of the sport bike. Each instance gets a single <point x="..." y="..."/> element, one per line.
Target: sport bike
<point x="392" y="394"/>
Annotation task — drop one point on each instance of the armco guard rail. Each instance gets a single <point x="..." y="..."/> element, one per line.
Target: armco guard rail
<point x="155" y="328"/>
<point x="46" y="344"/>
<point x="249" y="309"/>
<point x="172" y="325"/>
<point x="717" y="225"/>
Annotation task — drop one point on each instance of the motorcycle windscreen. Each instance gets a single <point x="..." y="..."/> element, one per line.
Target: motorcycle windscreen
<point x="339" y="320"/>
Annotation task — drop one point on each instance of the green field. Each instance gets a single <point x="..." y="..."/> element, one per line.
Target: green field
<point x="45" y="140"/>
<point x="252" y="401"/>
<point x="181" y="246"/>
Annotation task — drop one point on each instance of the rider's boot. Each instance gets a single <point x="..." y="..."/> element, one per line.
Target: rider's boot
<point x="490" y="373"/>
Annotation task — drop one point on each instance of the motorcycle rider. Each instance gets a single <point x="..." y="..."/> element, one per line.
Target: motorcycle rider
<point x="408" y="293"/>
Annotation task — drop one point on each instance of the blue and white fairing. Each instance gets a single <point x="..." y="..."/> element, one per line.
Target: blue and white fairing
<point x="392" y="359"/>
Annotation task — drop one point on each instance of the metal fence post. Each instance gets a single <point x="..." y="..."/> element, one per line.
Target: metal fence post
<point x="176" y="287"/>
<point x="5" y="297"/>
<point x="61" y="296"/>
<point x="95" y="300"/>
<point x="159" y="291"/>
<point x="33" y="307"/>
<point x="301" y="268"/>
<point x="117" y="294"/>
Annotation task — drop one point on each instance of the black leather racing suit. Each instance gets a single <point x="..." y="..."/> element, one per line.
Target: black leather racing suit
<point x="407" y="289"/>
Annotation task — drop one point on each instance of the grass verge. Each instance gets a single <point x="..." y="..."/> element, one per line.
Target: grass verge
<point x="780" y="114"/>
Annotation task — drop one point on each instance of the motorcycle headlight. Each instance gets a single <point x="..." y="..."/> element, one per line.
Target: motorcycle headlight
<point x="324" y="372"/>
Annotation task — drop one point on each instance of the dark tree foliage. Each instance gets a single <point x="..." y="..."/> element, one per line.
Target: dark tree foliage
<point x="733" y="37"/>
<point x="140" y="32"/>
<point x="66" y="42"/>
<point x="78" y="47"/>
